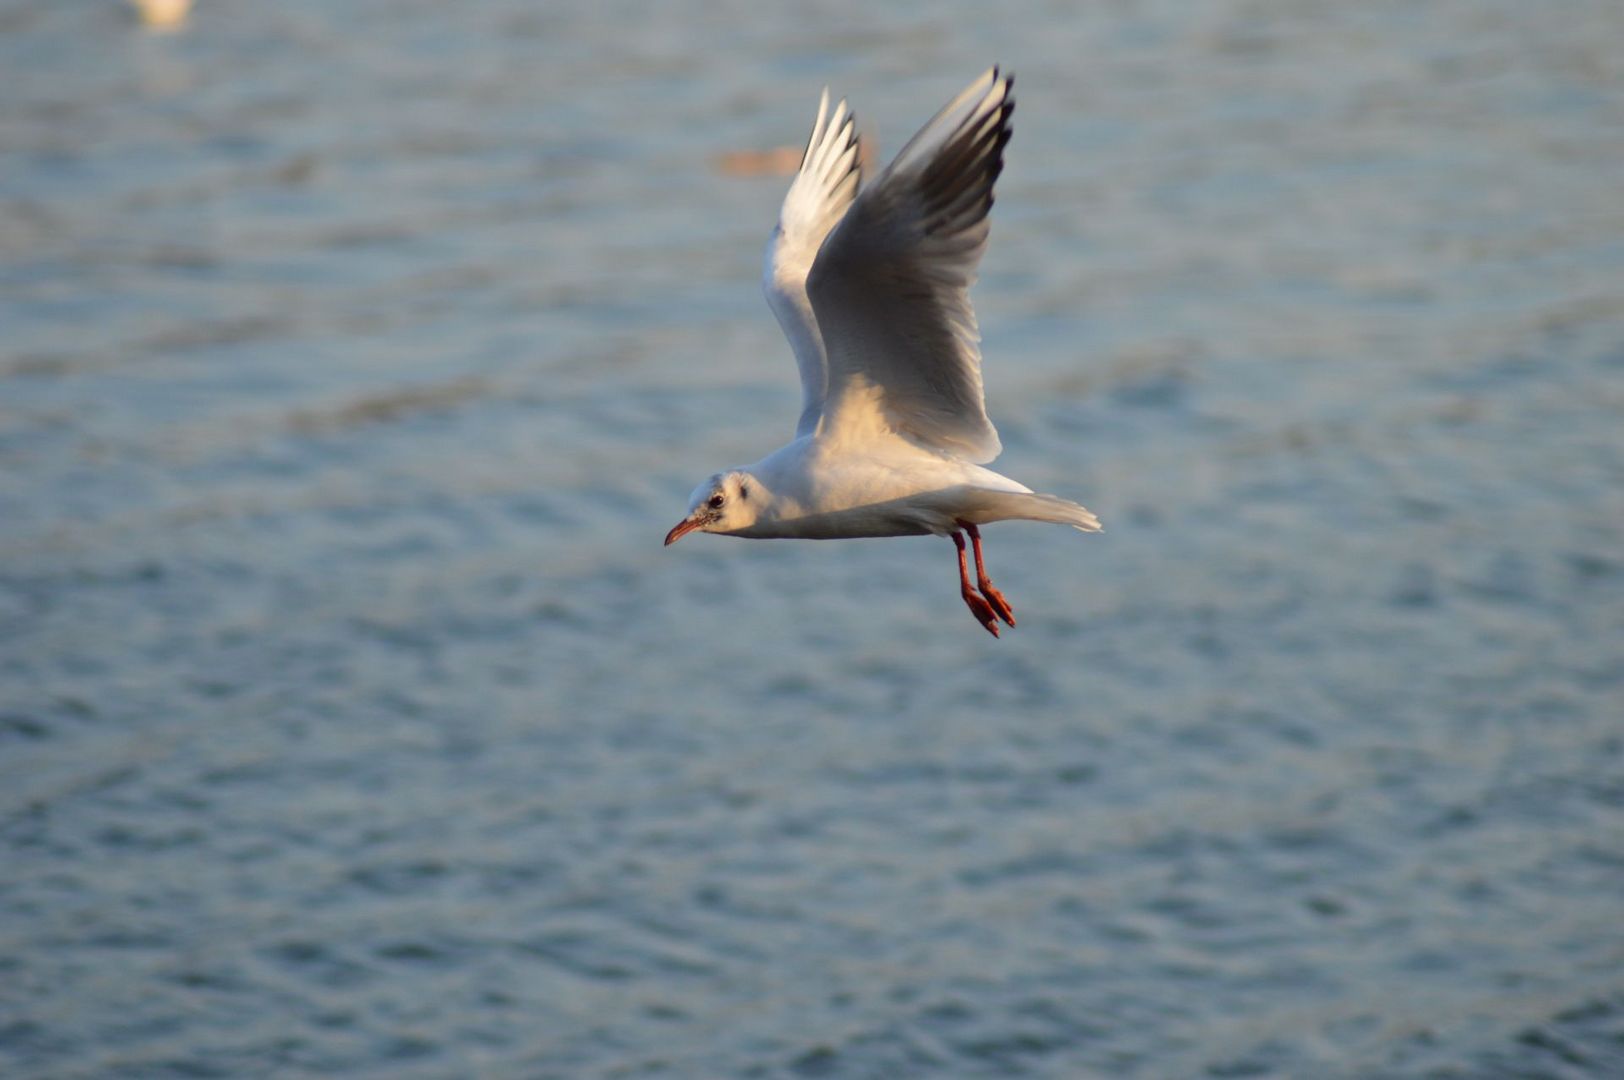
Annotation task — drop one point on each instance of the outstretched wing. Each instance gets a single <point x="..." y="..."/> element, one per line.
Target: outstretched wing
<point x="817" y="198"/>
<point x="890" y="289"/>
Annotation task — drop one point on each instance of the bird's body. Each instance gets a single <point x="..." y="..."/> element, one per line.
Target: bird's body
<point x="819" y="489"/>
<point x="872" y="291"/>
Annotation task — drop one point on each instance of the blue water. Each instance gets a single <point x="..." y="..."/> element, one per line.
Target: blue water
<point x="355" y="357"/>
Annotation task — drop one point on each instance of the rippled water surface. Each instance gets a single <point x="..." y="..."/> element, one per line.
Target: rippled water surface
<point x="355" y="357"/>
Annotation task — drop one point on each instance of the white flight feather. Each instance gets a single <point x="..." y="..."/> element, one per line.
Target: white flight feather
<point x="819" y="195"/>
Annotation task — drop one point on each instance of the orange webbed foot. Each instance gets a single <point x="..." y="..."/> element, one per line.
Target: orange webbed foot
<point x="984" y="612"/>
<point x="996" y="599"/>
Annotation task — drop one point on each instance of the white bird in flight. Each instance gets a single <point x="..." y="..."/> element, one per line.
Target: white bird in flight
<point x="872" y="290"/>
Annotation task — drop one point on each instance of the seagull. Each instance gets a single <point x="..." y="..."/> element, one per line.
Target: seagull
<point x="872" y="289"/>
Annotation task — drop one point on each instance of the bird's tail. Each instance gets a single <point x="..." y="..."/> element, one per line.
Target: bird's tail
<point x="986" y="506"/>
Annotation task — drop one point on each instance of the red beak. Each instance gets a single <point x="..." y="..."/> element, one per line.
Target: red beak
<point x="684" y="527"/>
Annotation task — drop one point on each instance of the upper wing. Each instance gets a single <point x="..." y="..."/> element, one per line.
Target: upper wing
<point x="891" y="287"/>
<point x="818" y="196"/>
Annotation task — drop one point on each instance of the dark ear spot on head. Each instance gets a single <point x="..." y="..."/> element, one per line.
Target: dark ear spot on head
<point x="744" y="491"/>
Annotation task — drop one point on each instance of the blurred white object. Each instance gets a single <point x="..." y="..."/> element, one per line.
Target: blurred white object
<point x="166" y="13"/>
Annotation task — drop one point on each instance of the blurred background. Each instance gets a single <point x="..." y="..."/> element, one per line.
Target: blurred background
<point x="356" y="356"/>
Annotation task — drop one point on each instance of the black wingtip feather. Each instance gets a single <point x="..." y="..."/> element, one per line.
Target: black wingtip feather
<point x="957" y="187"/>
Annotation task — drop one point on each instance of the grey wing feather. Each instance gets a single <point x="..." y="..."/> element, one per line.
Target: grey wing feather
<point x="890" y="287"/>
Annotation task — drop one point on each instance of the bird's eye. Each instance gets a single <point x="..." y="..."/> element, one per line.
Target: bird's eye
<point x="715" y="502"/>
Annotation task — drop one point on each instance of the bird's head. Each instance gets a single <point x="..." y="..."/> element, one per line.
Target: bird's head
<point x="726" y="503"/>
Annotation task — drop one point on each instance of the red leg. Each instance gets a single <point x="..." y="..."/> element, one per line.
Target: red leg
<point x="983" y="611"/>
<point x="984" y="583"/>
